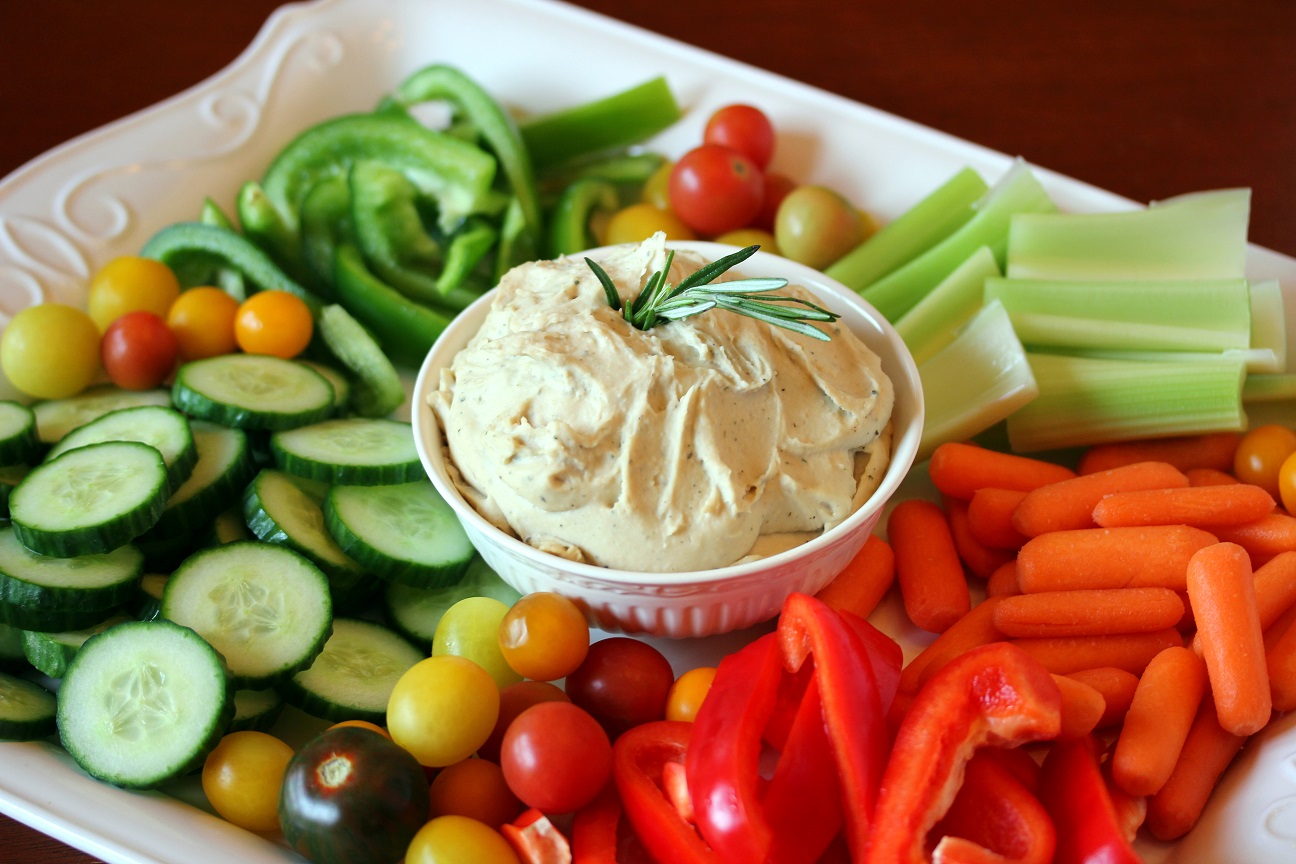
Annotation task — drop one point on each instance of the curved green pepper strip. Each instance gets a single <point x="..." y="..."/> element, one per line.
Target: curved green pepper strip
<point x="229" y="279"/>
<point x="614" y="121"/>
<point x="569" y="229"/>
<point x="212" y="214"/>
<point x="516" y="244"/>
<point x="325" y="222"/>
<point x="495" y="126"/>
<point x="467" y="248"/>
<point x="264" y="225"/>
<point x="389" y="230"/>
<point x="624" y="169"/>
<point x="405" y="329"/>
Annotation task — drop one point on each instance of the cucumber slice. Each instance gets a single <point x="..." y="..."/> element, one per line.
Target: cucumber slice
<point x="142" y="703"/>
<point x="18" y="440"/>
<point x="11" y="648"/>
<point x="27" y="710"/>
<point x="91" y="499"/>
<point x="358" y="451"/>
<point x="341" y="385"/>
<point x="265" y="608"/>
<point x="51" y="653"/>
<point x="164" y="429"/>
<point x="415" y="612"/>
<point x="378" y="389"/>
<point x="402" y="533"/>
<point x="353" y="677"/>
<point x="252" y="391"/>
<point x="10" y="476"/>
<point x="223" y="469"/>
<point x="53" y="620"/>
<point x="89" y="582"/>
<point x="146" y="604"/>
<point x="256" y="710"/>
<point x="57" y="417"/>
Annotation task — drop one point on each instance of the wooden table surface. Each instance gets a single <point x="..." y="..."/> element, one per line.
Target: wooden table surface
<point x="1148" y="100"/>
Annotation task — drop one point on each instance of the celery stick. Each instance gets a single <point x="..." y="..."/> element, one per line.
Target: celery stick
<point x="1198" y="236"/>
<point x="1018" y="191"/>
<point x="614" y="121"/>
<point x="912" y="233"/>
<point x="1085" y="401"/>
<point x="1258" y="360"/>
<point x="931" y="324"/>
<point x="1277" y="387"/>
<point x="979" y="379"/>
<point x="1269" y="324"/>
<point x="1176" y="315"/>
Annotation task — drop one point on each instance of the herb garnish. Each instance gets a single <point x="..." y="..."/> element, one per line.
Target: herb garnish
<point x="659" y="301"/>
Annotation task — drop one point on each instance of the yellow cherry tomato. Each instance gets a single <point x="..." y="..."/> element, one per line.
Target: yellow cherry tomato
<point x="1287" y="483"/>
<point x="459" y="840"/>
<point x="203" y="321"/>
<point x="656" y="189"/>
<point x="442" y="709"/>
<point x="816" y="226"/>
<point x="131" y="284"/>
<point x="242" y="777"/>
<point x="274" y="322"/>
<point x="50" y="351"/>
<point x="1260" y="456"/>
<point x="470" y="628"/>
<point x="688" y="691"/>
<point x="750" y="237"/>
<point x="638" y="222"/>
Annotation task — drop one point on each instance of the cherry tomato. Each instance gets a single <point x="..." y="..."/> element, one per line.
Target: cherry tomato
<point x="273" y="322"/>
<point x="656" y="189"/>
<point x="442" y="709"/>
<point x="640" y="221"/>
<point x="514" y="699"/>
<point x="129" y="284"/>
<point x="776" y="188"/>
<point x="750" y="237"/>
<point x="361" y="724"/>
<point x="139" y="351"/>
<point x="475" y="788"/>
<point x="622" y="682"/>
<point x="688" y="691"/>
<point x="715" y="189"/>
<point x="816" y="226"/>
<point x="1287" y="483"/>
<point x="1260" y="456"/>
<point x="459" y="840"/>
<point x="544" y="636"/>
<point x="470" y="628"/>
<point x="242" y="777"/>
<point x="203" y="320"/>
<point x="744" y="128"/>
<point x="556" y="757"/>
<point x="50" y="351"/>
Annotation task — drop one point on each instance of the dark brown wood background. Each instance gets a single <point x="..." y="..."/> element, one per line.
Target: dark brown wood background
<point x="1147" y="99"/>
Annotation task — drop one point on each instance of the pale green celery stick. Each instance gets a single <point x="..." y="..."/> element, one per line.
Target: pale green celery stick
<point x="1018" y="191"/>
<point x="1170" y="315"/>
<point x="1268" y="324"/>
<point x="1198" y="236"/>
<point x="1257" y="360"/>
<point x="978" y="379"/>
<point x="911" y="233"/>
<point x="1084" y="401"/>
<point x="1277" y="387"/>
<point x="931" y="324"/>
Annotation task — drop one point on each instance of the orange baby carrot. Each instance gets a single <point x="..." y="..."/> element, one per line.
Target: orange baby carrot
<point x="1264" y="538"/>
<point x="1275" y="590"/>
<point x="1209" y="477"/>
<point x="1275" y="631"/>
<point x="1202" y="506"/>
<point x="932" y="584"/>
<point x="862" y="585"/>
<point x="1132" y="652"/>
<point x="1096" y="612"/>
<point x="960" y="469"/>
<point x="980" y="559"/>
<point x="972" y="630"/>
<point x="990" y="515"/>
<point x="1069" y="504"/>
<point x="1280" y="661"/>
<point x="1082" y="707"/>
<point x="1155" y="555"/>
<point x="1003" y="581"/>
<point x="1207" y="752"/>
<point x="1117" y="688"/>
<point x="1157" y="723"/>
<point x="1222" y="593"/>
<point x="1209" y="450"/>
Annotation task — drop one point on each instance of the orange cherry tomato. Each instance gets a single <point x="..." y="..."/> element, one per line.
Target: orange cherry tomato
<point x="274" y="322"/>
<point x="686" y="694"/>
<point x="1260" y="456"/>
<point x="203" y="321"/>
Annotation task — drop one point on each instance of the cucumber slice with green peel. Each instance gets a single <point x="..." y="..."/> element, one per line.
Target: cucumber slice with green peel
<point x="223" y="470"/>
<point x="10" y="476"/>
<point x="256" y="710"/>
<point x="147" y="601"/>
<point x="52" y="653"/>
<point x="89" y="582"/>
<point x="252" y="391"/>
<point x="11" y="648"/>
<point x="265" y="608"/>
<point x="18" y="440"/>
<point x="341" y="385"/>
<point x="357" y="451"/>
<point x="378" y="390"/>
<point x="91" y="499"/>
<point x="143" y="702"/>
<point x="164" y="429"/>
<point x="415" y="612"/>
<point x="27" y="710"/>
<point x="53" y="620"/>
<point x="353" y="677"/>
<point x="404" y="533"/>
<point x="57" y="417"/>
<point x="286" y="510"/>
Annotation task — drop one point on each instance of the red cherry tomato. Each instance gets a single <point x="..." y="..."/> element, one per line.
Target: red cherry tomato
<point x="743" y="128"/>
<point x="139" y="351"/>
<point x="514" y="699"/>
<point x="623" y="682"/>
<point x="714" y="189"/>
<point x="556" y="757"/>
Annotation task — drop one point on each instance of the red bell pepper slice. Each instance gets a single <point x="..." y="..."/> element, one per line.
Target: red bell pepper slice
<point x="994" y="695"/>
<point x="594" y="829"/>
<point x="638" y="757"/>
<point x="1074" y="791"/>
<point x="995" y="811"/>
<point x="536" y="840"/>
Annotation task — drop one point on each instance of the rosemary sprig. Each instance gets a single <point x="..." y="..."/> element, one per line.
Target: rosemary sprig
<point x="659" y="301"/>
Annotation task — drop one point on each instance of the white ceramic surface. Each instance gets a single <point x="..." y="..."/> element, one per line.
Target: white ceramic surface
<point x="105" y="193"/>
<point x="706" y="602"/>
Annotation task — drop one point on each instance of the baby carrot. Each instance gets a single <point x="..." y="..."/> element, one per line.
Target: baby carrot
<point x="1082" y="707"/>
<point x="862" y="585"/>
<point x="1280" y="661"/>
<point x="1202" y="506"/>
<point x="1063" y="655"/>
<point x="980" y="559"/>
<point x="1097" y="612"/>
<point x="990" y="515"/>
<point x="1069" y="504"/>
<point x="1165" y="703"/>
<point x="1117" y="688"/>
<point x="1208" y="450"/>
<point x="1155" y="555"/>
<point x="1003" y="581"/>
<point x="972" y="630"/>
<point x="1275" y="631"/>
<point x="1264" y="538"/>
<point x="1207" y="752"/>
<point x="960" y="469"/>
<point x="1222" y="593"/>
<point x="1209" y="477"/>
<point x="1275" y="590"/>
<point x="932" y="584"/>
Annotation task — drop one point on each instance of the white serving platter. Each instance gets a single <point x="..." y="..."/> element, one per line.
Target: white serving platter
<point x="105" y="193"/>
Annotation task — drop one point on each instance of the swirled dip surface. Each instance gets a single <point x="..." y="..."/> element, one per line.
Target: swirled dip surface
<point x="672" y="449"/>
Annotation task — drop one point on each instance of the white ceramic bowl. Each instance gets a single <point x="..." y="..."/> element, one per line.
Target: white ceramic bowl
<point x="696" y="603"/>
